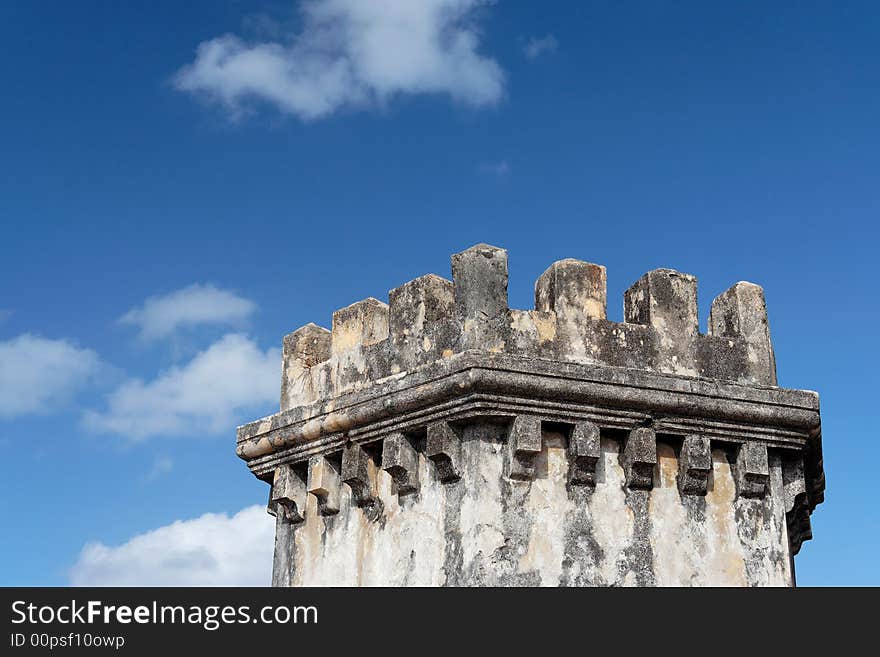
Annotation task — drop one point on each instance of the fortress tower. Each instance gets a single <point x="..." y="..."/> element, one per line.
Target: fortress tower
<point x="446" y="439"/>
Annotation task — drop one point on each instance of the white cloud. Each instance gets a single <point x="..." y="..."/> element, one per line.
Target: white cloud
<point x="37" y="373"/>
<point x="538" y="46"/>
<point x="205" y="396"/>
<point x="501" y="168"/>
<point x="196" y="304"/>
<point x="351" y="53"/>
<point x="211" y="550"/>
<point x="162" y="465"/>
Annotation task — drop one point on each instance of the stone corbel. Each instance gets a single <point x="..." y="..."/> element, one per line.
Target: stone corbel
<point x="752" y="470"/>
<point x="695" y="464"/>
<point x="324" y="483"/>
<point x="359" y="473"/>
<point x="401" y="461"/>
<point x="639" y="458"/>
<point x="288" y="495"/>
<point x="584" y="452"/>
<point x="443" y="447"/>
<point x="524" y="444"/>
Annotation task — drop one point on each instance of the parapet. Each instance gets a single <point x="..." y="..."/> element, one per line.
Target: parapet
<point x="431" y="318"/>
<point x="394" y="390"/>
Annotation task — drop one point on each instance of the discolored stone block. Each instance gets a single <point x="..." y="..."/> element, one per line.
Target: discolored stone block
<point x="359" y="473"/>
<point x="421" y="301"/>
<point x="584" y="453"/>
<point x="695" y="464"/>
<point x="324" y="483"/>
<point x="530" y="333"/>
<point x="401" y="461"/>
<point x="303" y="349"/>
<point x="752" y="470"/>
<point x="639" y="458"/>
<point x="288" y="495"/>
<point x="524" y="444"/>
<point x="723" y="358"/>
<point x="443" y="447"/>
<point x="666" y="300"/>
<point x="359" y="325"/>
<point x="480" y="284"/>
<point x="573" y="289"/>
<point x="741" y="312"/>
<point x="422" y="321"/>
<point x="797" y="508"/>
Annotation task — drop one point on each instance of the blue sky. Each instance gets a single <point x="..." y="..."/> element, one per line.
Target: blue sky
<point x="169" y="214"/>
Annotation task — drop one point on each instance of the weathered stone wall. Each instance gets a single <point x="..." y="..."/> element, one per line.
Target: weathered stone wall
<point x="449" y="440"/>
<point x="488" y="529"/>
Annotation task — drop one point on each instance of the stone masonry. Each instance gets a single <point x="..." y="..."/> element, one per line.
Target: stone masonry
<point x="446" y="439"/>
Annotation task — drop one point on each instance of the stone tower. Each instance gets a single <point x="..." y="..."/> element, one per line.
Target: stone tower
<point x="446" y="439"/>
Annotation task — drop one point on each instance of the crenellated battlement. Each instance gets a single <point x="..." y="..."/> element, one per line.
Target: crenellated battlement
<point x="431" y="318"/>
<point x="421" y="396"/>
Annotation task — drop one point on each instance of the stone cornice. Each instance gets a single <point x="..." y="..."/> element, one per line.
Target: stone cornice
<point x="479" y="384"/>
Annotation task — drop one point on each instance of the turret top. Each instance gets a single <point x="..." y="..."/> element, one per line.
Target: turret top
<point x="431" y="318"/>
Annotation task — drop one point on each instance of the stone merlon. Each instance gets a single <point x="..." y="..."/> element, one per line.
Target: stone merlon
<point x="594" y="450"/>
